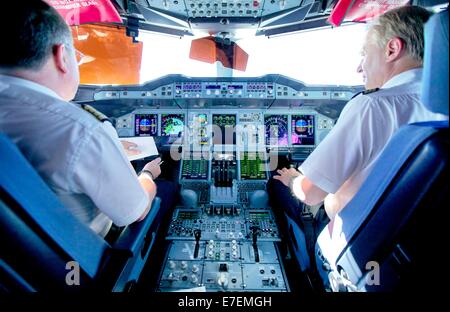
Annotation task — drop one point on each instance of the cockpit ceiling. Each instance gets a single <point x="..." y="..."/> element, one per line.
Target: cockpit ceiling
<point x="188" y="17"/>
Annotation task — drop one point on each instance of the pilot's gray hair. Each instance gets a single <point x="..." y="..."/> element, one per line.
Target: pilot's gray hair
<point x="31" y="34"/>
<point x="406" y="23"/>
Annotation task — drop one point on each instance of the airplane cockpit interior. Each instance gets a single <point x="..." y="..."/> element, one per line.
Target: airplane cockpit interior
<point x="223" y="94"/>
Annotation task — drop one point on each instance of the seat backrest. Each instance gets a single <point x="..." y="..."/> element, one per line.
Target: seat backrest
<point x="36" y="225"/>
<point x="382" y="229"/>
<point x="41" y="239"/>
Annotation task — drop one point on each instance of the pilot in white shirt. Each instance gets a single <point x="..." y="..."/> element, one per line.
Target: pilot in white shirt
<point x="344" y="159"/>
<point x="78" y="156"/>
<point x="392" y="56"/>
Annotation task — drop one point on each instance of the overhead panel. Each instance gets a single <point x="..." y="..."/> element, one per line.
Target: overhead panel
<point x="221" y="8"/>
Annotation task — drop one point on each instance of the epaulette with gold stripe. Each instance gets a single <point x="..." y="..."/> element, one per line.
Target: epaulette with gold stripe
<point x="98" y="115"/>
<point x="370" y="91"/>
<point x="365" y="92"/>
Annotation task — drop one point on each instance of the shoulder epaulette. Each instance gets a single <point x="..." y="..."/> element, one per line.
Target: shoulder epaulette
<point x="370" y="91"/>
<point x="98" y="115"/>
<point x="356" y="94"/>
<point x="365" y="92"/>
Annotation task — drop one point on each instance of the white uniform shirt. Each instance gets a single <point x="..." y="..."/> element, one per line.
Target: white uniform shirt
<point x="344" y="159"/>
<point x="78" y="156"/>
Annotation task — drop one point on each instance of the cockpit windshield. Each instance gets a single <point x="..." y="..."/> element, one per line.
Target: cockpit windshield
<point x="314" y="57"/>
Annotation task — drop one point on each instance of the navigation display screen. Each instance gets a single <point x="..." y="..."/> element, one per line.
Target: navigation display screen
<point x="276" y="130"/>
<point x="146" y="125"/>
<point x="302" y="130"/>
<point x="172" y="124"/>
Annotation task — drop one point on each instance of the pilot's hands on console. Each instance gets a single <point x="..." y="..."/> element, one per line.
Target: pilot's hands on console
<point x="130" y="148"/>
<point x="286" y="175"/>
<point x="154" y="167"/>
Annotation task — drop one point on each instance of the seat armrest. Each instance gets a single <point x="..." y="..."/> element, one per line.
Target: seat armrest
<point x="131" y="239"/>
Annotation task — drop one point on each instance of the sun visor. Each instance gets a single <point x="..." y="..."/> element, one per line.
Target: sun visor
<point x="77" y="12"/>
<point x="107" y="55"/>
<point x="361" y="10"/>
<point x="208" y="50"/>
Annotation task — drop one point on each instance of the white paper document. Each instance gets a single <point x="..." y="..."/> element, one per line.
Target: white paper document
<point x="145" y="147"/>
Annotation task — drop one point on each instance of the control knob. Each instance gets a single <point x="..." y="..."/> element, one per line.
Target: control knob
<point x="172" y="265"/>
<point x="223" y="281"/>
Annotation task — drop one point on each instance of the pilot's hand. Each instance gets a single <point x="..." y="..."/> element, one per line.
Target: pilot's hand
<point x="286" y="175"/>
<point x="130" y="148"/>
<point x="154" y="167"/>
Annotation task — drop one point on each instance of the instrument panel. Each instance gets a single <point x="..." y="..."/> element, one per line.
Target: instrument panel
<point x="223" y="234"/>
<point x="246" y="130"/>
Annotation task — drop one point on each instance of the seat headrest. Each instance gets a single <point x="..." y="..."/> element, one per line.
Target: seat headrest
<point x="435" y="66"/>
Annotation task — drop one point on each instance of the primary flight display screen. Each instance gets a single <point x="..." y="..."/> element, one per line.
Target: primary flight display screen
<point x="276" y="129"/>
<point x="226" y="124"/>
<point x="146" y="125"/>
<point x="302" y="130"/>
<point x="172" y="124"/>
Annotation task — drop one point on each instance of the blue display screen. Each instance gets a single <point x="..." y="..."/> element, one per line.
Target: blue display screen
<point x="276" y="130"/>
<point x="146" y="125"/>
<point x="302" y="130"/>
